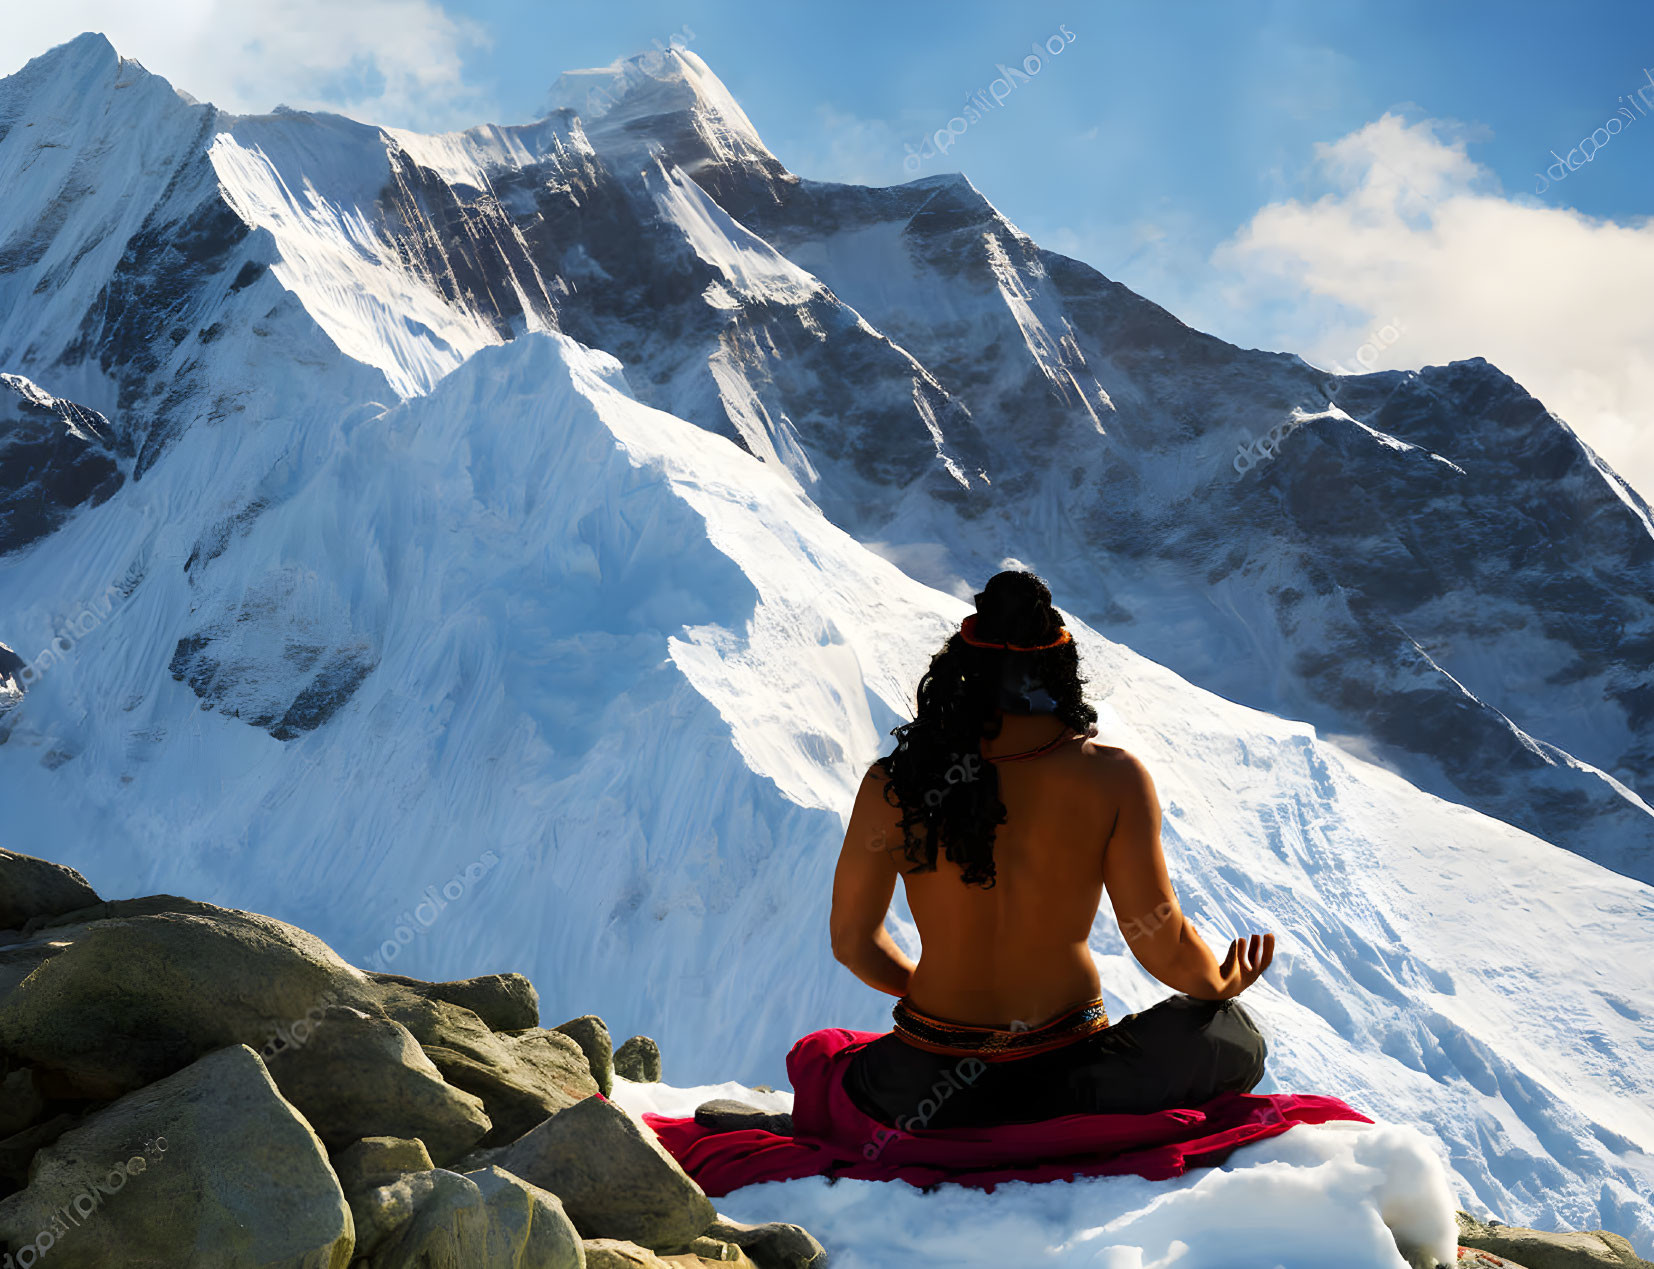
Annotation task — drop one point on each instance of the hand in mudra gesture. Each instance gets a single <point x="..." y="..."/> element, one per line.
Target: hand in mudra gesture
<point x="1247" y="960"/>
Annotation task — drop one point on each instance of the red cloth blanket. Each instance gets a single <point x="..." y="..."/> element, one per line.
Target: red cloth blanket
<point x="835" y="1138"/>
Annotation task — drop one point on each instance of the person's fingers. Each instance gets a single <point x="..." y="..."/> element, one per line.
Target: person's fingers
<point x="1268" y="952"/>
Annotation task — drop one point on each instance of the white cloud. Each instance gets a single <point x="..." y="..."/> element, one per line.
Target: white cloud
<point x="397" y="62"/>
<point x="1416" y="232"/>
<point x="849" y="148"/>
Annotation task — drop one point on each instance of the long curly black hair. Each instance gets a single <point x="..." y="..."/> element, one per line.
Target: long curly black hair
<point x="958" y="702"/>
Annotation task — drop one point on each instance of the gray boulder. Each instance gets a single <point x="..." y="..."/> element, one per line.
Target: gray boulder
<point x="110" y="1004"/>
<point x="376" y="1161"/>
<point x="208" y="1167"/>
<point x="527" y="1226"/>
<point x="521" y="1077"/>
<point x="613" y="1175"/>
<point x="1540" y="1249"/>
<point x="638" y="1060"/>
<point x="18" y="1149"/>
<point x="447" y="1227"/>
<point x="504" y="1002"/>
<point x="358" y="1076"/>
<point x="21" y="1104"/>
<point x="617" y="1253"/>
<point x="31" y="887"/>
<point x="380" y="1210"/>
<point x="716" y="1251"/>
<point x="591" y="1033"/>
<point x="772" y="1245"/>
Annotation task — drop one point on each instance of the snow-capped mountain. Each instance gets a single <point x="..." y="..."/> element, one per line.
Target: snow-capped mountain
<point x="586" y="497"/>
<point x="1433" y="563"/>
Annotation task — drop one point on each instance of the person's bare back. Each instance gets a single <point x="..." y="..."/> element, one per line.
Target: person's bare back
<point x="1080" y="819"/>
<point x="1017" y="953"/>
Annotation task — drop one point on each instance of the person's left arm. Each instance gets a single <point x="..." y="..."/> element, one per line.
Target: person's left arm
<point x="862" y="888"/>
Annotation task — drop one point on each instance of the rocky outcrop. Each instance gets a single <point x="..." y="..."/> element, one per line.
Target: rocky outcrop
<point x="103" y="1005"/>
<point x="367" y="1077"/>
<point x="269" y="1104"/>
<point x="1515" y="1247"/>
<point x="208" y="1166"/>
<point x="55" y="456"/>
<point x="32" y="887"/>
<point x="519" y="1076"/>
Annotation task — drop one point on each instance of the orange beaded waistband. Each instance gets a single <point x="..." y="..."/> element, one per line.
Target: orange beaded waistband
<point x="992" y="1044"/>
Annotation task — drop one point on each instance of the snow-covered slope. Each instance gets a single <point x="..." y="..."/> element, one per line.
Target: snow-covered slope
<point x="413" y="586"/>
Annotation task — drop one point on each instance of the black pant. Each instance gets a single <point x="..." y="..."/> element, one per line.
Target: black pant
<point x="1181" y="1052"/>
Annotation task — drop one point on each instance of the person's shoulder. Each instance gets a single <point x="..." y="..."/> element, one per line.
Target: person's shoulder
<point x="1117" y="767"/>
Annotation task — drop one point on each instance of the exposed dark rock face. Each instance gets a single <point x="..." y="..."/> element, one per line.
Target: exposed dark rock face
<point x="318" y="666"/>
<point x="37" y="887"/>
<point x="55" y="457"/>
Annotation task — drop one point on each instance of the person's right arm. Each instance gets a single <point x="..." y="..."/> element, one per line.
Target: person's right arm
<point x="1158" y="934"/>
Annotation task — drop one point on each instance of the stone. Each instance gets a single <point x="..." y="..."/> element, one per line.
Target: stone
<point x="592" y="1035"/>
<point x="21" y="1104"/>
<point x="716" y="1251"/>
<point x="1541" y="1249"/>
<point x="504" y="1002"/>
<point x="17" y="1149"/>
<point x="617" y="1253"/>
<point x="1467" y="1258"/>
<point x="521" y="1077"/>
<point x="355" y="1076"/>
<point x="31" y="887"/>
<point x="613" y="1175"/>
<point x="379" y="1211"/>
<point x="527" y="1226"/>
<point x="208" y="1168"/>
<point x="448" y="1228"/>
<point x="772" y="1245"/>
<point x="723" y="1114"/>
<point x="376" y="1161"/>
<point x="110" y="1004"/>
<point x="638" y="1060"/>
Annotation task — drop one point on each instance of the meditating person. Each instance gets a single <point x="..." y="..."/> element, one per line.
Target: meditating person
<point x="1007" y="821"/>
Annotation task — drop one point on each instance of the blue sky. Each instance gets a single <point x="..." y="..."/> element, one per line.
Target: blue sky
<point x="1285" y="174"/>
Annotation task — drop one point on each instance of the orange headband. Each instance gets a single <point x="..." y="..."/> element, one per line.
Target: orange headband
<point x="967" y="632"/>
